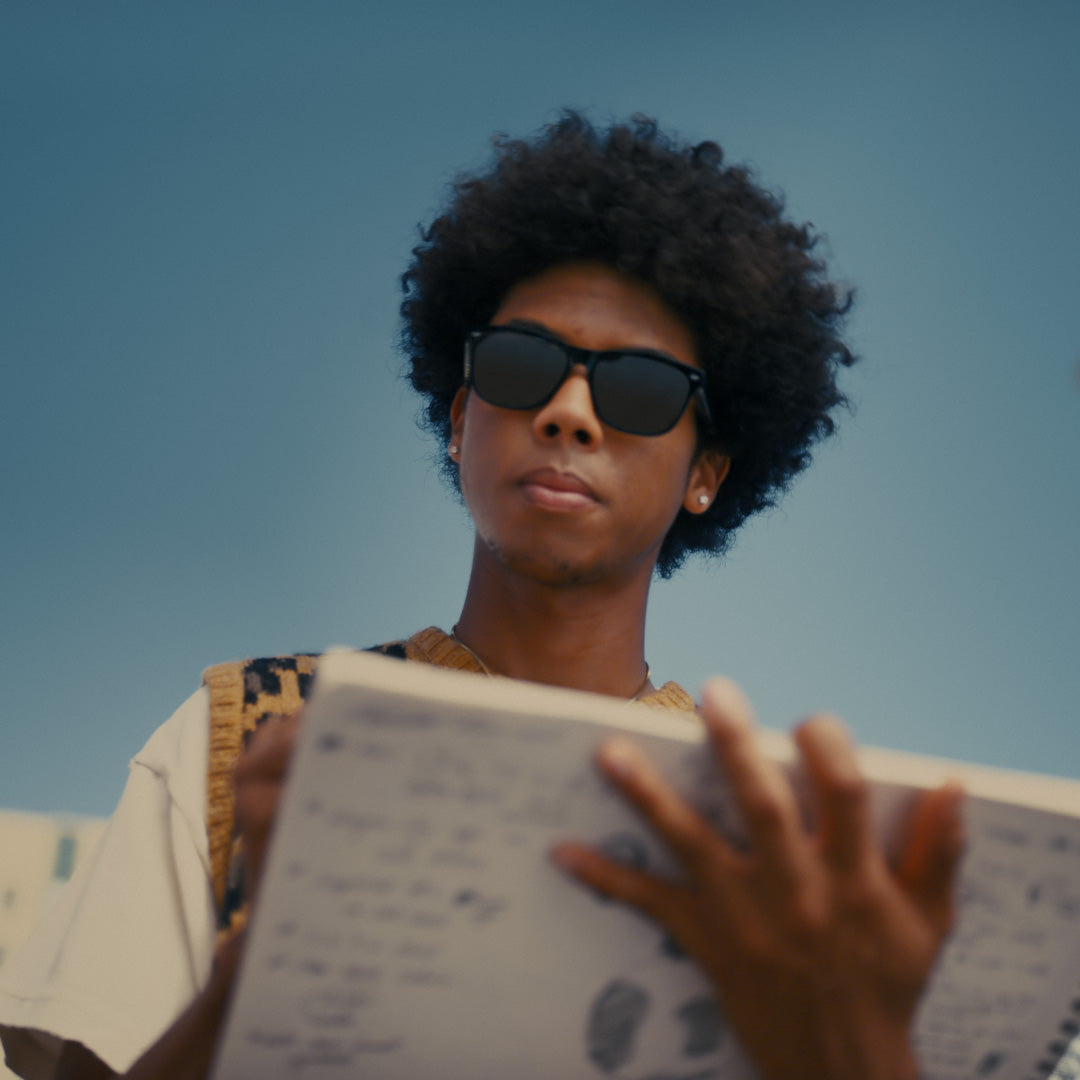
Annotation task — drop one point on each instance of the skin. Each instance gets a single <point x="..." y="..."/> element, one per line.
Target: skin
<point x="813" y="927"/>
<point x="811" y="936"/>
<point x="559" y="585"/>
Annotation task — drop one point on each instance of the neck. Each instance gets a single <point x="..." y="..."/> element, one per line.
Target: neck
<point x="586" y="636"/>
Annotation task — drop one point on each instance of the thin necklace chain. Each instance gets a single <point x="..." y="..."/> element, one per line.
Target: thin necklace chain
<point x="487" y="671"/>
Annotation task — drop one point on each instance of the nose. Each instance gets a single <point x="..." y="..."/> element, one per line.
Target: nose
<point x="570" y="414"/>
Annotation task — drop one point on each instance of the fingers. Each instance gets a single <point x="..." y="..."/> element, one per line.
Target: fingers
<point x="935" y="847"/>
<point x="648" y="894"/>
<point x="228" y="952"/>
<point x="269" y="751"/>
<point x="847" y="841"/>
<point x="763" y="793"/>
<point x="688" y="835"/>
<point x="761" y="789"/>
<point x="259" y="778"/>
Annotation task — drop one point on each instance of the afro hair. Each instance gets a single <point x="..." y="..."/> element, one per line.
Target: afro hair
<point x="711" y="242"/>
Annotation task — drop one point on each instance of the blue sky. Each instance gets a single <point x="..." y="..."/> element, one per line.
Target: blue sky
<point x="208" y="452"/>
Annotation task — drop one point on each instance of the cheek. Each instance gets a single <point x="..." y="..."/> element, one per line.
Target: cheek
<point x="669" y="469"/>
<point x="481" y="453"/>
<point x="659" y="487"/>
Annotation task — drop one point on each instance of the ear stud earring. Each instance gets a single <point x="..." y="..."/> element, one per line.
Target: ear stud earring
<point x="452" y="449"/>
<point x="703" y="500"/>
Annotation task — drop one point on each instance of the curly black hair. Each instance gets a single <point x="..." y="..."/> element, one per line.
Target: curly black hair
<point x="711" y="242"/>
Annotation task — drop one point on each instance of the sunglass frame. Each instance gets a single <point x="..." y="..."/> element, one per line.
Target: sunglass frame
<point x="590" y="359"/>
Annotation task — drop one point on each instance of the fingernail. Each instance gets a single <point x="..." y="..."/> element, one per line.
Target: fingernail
<point x="725" y="704"/>
<point x="619" y="758"/>
<point x="566" y="856"/>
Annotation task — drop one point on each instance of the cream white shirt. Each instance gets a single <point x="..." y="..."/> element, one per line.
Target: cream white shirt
<point x="130" y="940"/>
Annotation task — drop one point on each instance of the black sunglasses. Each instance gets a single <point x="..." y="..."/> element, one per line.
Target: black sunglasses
<point x="633" y="390"/>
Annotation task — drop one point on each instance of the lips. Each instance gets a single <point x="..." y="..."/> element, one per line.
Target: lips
<point x="555" y="490"/>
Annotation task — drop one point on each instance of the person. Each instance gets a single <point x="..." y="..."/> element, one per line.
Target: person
<point x="651" y="350"/>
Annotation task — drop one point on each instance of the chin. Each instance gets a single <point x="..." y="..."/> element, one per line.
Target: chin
<point x="565" y="565"/>
<point x="555" y="568"/>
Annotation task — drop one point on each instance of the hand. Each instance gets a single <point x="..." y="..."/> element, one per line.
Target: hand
<point x="817" y="949"/>
<point x="261" y="772"/>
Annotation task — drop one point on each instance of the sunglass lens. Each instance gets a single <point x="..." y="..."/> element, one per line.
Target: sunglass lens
<point x="639" y="394"/>
<point x="515" y="370"/>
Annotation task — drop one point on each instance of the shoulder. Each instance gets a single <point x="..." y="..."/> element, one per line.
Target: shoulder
<point x="271" y="683"/>
<point x="240" y="696"/>
<point x="179" y="746"/>
<point x="137" y="909"/>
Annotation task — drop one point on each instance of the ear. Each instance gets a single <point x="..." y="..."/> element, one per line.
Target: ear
<point x="708" y="472"/>
<point x="457" y="416"/>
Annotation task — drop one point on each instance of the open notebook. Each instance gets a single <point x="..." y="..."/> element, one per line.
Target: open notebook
<point x="411" y="925"/>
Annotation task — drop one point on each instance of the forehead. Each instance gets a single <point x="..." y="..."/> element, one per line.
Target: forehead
<point x="595" y="307"/>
